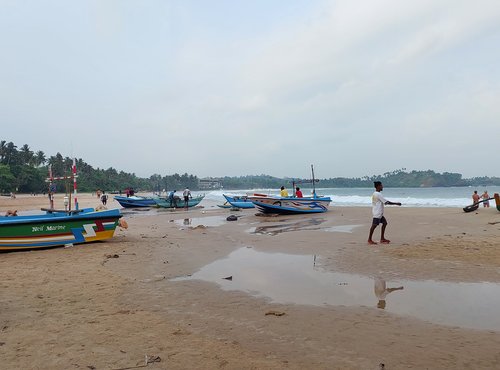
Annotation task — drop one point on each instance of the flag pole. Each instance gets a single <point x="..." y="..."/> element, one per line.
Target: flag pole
<point x="74" y="184"/>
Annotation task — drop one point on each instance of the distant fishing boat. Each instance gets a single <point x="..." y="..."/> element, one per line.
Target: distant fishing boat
<point x="239" y="201"/>
<point x="57" y="228"/>
<point x="164" y="202"/>
<point x="135" y="201"/>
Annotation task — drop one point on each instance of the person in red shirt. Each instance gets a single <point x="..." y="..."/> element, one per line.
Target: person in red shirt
<point x="298" y="193"/>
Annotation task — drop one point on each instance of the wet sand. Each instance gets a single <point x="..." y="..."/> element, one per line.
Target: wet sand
<point x="108" y="305"/>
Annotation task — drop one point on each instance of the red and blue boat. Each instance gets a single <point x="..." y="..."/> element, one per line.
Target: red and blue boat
<point x="291" y="205"/>
<point x="57" y="228"/>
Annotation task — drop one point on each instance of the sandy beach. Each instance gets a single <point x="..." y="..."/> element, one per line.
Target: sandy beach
<point x="130" y="302"/>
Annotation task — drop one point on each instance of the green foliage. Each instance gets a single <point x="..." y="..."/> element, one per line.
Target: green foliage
<point x="25" y="171"/>
<point x="7" y="179"/>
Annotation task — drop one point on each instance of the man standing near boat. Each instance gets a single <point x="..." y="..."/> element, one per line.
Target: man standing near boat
<point x="171" y="199"/>
<point x="187" y="195"/>
<point x="378" y="202"/>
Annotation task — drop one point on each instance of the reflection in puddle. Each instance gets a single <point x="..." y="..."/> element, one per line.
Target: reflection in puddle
<point x="212" y="221"/>
<point x="294" y="226"/>
<point x="285" y="278"/>
<point x="342" y="228"/>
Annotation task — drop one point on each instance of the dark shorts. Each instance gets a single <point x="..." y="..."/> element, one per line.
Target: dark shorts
<point x="381" y="220"/>
<point x="186" y="199"/>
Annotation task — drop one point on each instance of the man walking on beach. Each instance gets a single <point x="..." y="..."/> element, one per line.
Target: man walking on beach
<point x="378" y="202"/>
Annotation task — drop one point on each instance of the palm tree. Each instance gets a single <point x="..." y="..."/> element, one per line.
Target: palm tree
<point x="3" y="147"/>
<point x="26" y="155"/>
<point x="10" y="153"/>
<point x="40" y="158"/>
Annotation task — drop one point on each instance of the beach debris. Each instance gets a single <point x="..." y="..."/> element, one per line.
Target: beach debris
<point x="91" y="367"/>
<point x="199" y="227"/>
<point x="122" y="223"/>
<point x="381" y="366"/>
<point x="10" y="213"/>
<point x="275" y="313"/>
<point x="156" y="278"/>
<point x="147" y="360"/>
<point x="112" y="256"/>
<point x="228" y="277"/>
<point x="2" y="343"/>
<point x="232" y="218"/>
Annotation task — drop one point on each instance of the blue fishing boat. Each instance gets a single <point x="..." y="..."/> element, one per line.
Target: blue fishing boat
<point x="57" y="228"/>
<point x="291" y="205"/>
<point x="135" y="201"/>
<point x="294" y="204"/>
<point x="239" y="201"/>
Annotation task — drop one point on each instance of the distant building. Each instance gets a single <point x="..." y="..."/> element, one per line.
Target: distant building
<point x="210" y="183"/>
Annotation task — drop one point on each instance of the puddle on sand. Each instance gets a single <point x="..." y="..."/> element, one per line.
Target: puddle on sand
<point x="342" y="228"/>
<point x="138" y="211"/>
<point x="285" y="278"/>
<point x="212" y="221"/>
<point x="309" y="224"/>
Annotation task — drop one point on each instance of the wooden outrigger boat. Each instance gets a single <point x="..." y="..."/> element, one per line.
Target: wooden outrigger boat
<point x="474" y="206"/>
<point x="57" y="228"/>
<point x="135" y="201"/>
<point x="164" y="202"/>
<point x="292" y="205"/>
<point x="239" y="201"/>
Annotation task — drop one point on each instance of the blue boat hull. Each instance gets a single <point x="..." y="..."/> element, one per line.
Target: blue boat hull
<point x="135" y="202"/>
<point x="239" y="202"/>
<point x="291" y="205"/>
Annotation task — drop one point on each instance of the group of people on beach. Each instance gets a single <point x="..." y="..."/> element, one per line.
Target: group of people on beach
<point x="485" y="196"/>
<point x="173" y="198"/>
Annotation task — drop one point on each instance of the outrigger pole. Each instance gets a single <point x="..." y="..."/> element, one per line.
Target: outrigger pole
<point x="51" y="179"/>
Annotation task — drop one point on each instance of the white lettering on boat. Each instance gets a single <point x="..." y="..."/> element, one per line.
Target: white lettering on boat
<point x="47" y="228"/>
<point x="56" y="227"/>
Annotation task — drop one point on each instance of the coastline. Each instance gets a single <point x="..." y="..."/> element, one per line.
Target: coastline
<point x="77" y="307"/>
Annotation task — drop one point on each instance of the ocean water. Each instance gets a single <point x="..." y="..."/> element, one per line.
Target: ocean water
<point x="409" y="197"/>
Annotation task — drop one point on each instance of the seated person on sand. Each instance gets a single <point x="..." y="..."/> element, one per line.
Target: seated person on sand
<point x="11" y="213"/>
<point x="381" y="291"/>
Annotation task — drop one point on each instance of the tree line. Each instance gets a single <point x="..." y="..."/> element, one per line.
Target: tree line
<point x="24" y="170"/>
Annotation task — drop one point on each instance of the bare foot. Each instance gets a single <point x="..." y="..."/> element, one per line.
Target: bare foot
<point x="371" y="242"/>
<point x="385" y="241"/>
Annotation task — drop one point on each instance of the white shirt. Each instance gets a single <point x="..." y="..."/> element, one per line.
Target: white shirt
<point x="186" y="193"/>
<point x="378" y="202"/>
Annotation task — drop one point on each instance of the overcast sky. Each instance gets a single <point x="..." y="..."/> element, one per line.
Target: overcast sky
<point x="228" y="87"/>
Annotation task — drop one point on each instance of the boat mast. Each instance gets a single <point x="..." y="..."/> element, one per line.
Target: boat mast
<point x="313" y="181"/>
